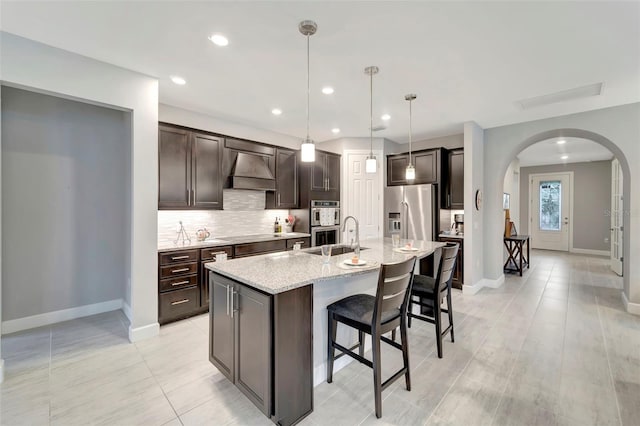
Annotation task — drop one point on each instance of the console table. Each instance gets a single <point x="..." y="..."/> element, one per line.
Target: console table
<point x="515" y="246"/>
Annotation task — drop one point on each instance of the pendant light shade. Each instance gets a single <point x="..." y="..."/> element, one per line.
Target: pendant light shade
<point x="308" y="148"/>
<point x="371" y="164"/>
<point x="410" y="172"/>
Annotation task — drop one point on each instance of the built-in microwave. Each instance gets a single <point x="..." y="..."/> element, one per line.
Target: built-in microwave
<point x="322" y="235"/>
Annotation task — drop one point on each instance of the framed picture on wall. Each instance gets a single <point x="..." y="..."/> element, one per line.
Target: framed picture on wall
<point x="505" y="201"/>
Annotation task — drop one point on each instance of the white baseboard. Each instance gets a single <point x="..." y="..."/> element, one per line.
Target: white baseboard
<point x="146" y="331"/>
<point x="485" y="282"/>
<point x="604" y="253"/>
<point x="49" y="318"/>
<point x="1" y="370"/>
<point x="632" y="308"/>
<point x="126" y="309"/>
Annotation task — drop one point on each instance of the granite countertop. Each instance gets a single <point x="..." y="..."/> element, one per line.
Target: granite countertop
<point x="278" y="272"/>
<point x="461" y="236"/>
<point x="226" y="241"/>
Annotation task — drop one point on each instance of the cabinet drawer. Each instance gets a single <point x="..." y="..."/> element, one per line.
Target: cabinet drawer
<point x="178" y="283"/>
<point x="306" y="243"/>
<point x="178" y="270"/>
<point x="250" y="249"/>
<point x="176" y="304"/>
<point x="209" y="254"/>
<point x="183" y="256"/>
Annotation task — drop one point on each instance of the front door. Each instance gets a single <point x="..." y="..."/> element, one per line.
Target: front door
<point x="550" y="213"/>
<point x="616" y="217"/>
<point x="362" y="197"/>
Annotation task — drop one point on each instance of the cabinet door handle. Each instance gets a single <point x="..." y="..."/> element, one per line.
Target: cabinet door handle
<point x="180" y="283"/>
<point x="227" y="300"/>
<point x="215" y="253"/>
<point x="179" y="302"/>
<point x="278" y="198"/>
<point x="448" y="200"/>
<point x="299" y="242"/>
<point x="233" y="298"/>
<point x="176" y="271"/>
<point x="179" y="257"/>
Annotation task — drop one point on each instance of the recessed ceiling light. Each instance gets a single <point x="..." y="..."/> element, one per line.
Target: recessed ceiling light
<point x="276" y="111"/>
<point x="219" y="40"/>
<point x="327" y="90"/>
<point x="386" y="117"/>
<point x="335" y="130"/>
<point x="178" y="80"/>
<point x="564" y="157"/>
<point x="561" y="142"/>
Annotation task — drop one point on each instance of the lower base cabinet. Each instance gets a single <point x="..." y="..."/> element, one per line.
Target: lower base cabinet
<point x="263" y="344"/>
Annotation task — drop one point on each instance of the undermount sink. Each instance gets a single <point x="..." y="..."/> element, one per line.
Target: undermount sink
<point x="335" y="250"/>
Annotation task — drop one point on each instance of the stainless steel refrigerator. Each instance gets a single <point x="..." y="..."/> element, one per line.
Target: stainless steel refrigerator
<point x="411" y="211"/>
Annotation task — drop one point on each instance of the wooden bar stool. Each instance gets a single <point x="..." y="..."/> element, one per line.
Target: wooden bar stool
<point x="375" y="316"/>
<point x="426" y="294"/>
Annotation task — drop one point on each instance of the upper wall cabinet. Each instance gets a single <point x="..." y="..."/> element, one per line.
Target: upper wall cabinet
<point x="286" y="193"/>
<point x="427" y="164"/>
<point x="453" y="193"/>
<point x="320" y="180"/>
<point x="189" y="169"/>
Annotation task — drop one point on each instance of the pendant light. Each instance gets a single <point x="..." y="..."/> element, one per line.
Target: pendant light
<point x="308" y="148"/>
<point x="410" y="173"/>
<point x="371" y="164"/>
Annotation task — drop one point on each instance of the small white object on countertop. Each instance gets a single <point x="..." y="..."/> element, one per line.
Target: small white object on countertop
<point x="278" y="272"/>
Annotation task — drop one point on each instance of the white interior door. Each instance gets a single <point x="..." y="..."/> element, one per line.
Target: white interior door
<point x="363" y="195"/>
<point x="616" y="217"/>
<point x="550" y="211"/>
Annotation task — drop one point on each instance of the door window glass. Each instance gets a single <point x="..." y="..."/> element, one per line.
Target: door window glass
<point x="550" y="206"/>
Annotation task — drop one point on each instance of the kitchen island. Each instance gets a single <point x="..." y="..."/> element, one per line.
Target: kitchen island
<point x="268" y="320"/>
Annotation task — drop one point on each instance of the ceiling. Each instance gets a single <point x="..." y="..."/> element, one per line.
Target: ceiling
<point x="464" y="60"/>
<point x="577" y="150"/>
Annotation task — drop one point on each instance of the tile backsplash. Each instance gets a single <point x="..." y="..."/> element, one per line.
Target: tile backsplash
<point x="243" y="214"/>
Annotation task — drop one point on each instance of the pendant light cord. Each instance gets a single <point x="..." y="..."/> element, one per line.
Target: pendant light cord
<point x="410" y="129"/>
<point x="308" y="87"/>
<point x="371" y="116"/>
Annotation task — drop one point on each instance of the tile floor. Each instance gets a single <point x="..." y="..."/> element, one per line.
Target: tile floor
<point x="552" y="347"/>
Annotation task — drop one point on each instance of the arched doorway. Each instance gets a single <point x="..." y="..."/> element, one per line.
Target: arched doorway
<point x="563" y="195"/>
<point x="493" y="194"/>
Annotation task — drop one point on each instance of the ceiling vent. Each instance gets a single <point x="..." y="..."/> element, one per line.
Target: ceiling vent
<point x="565" y="95"/>
<point x="378" y="128"/>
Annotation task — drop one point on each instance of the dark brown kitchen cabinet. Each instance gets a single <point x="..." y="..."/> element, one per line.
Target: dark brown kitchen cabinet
<point x="320" y="180"/>
<point x="263" y="344"/>
<point x="304" y="243"/>
<point x="209" y="255"/>
<point x="178" y="289"/>
<point x="240" y="340"/>
<point x="262" y="247"/>
<point x="426" y="162"/>
<point x="286" y="194"/>
<point x="453" y="194"/>
<point x="189" y="169"/>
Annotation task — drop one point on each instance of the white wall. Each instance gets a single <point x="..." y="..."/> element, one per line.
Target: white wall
<point x="473" y="227"/>
<point x="617" y="128"/>
<point x="64" y="184"/>
<point x="511" y="186"/>
<point x="37" y="67"/>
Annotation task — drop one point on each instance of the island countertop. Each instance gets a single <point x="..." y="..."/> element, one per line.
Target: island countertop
<point x="279" y="272"/>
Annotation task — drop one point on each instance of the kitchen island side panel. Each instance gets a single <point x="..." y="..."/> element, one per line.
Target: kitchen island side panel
<point x="293" y="356"/>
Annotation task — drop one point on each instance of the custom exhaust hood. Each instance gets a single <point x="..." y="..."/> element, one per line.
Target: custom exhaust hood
<point x="251" y="172"/>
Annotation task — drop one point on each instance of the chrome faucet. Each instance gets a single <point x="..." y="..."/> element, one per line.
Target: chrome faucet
<point x="344" y="227"/>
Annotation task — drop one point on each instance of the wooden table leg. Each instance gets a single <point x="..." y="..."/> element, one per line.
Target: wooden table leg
<point x="520" y="257"/>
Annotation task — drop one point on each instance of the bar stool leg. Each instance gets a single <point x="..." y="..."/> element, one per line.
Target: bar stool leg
<point x="377" y="372"/>
<point x="405" y="352"/>
<point x="450" y="309"/>
<point x="361" y="342"/>
<point x="438" y="321"/>
<point x="332" y="331"/>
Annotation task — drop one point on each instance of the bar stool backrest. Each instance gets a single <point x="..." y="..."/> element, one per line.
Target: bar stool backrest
<point x="447" y="264"/>
<point x="394" y="288"/>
